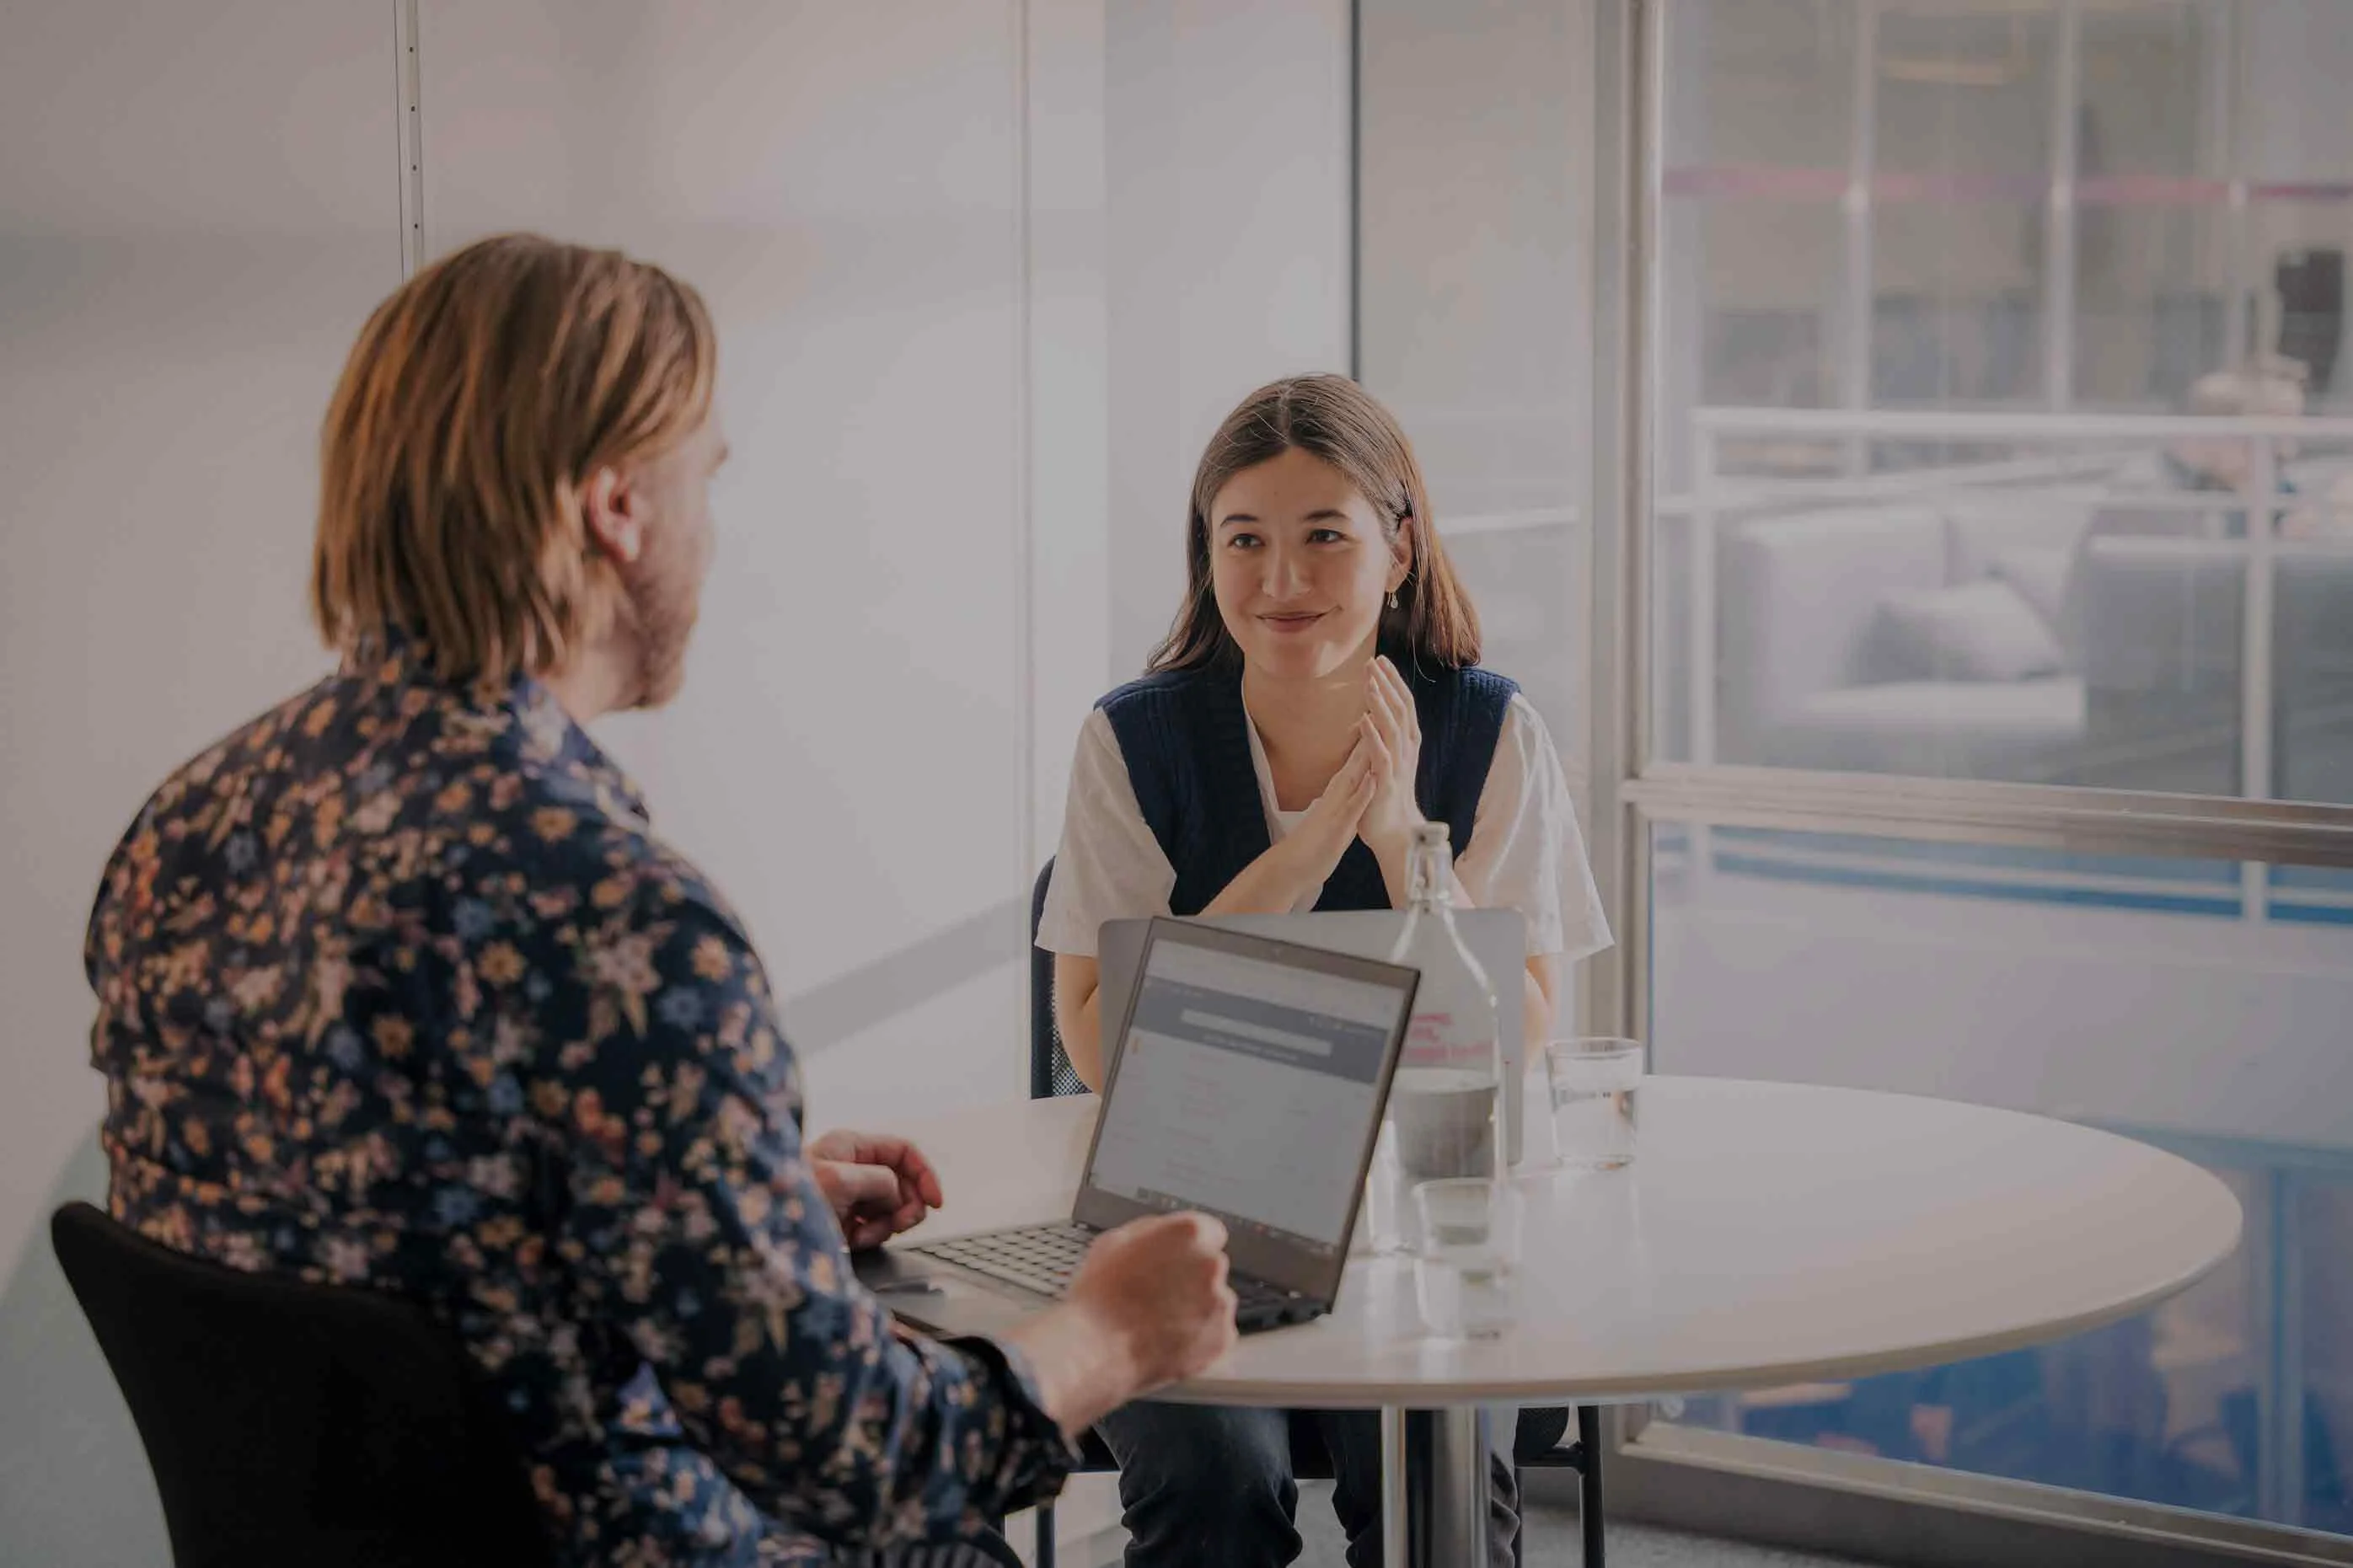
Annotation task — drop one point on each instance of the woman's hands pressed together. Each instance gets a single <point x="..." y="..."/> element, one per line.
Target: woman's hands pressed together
<point x="1371" y="797"/>
<point x="1390" y="736"/>
<point x="1323" y="834"/>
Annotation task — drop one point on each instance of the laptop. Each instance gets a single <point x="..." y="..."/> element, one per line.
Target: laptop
<point x="1497" y="939"/>
<point x="1249" y="1084"/>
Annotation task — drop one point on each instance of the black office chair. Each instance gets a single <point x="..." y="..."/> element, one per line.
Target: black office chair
<point x="288" y="1423"/>
<point x="1536" y="1441"/>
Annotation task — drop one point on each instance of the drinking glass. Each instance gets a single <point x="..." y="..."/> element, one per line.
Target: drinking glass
<point x="1466" y="1246"/>
<point x="1594" y="1085"/>
<point x="1382" y="1216"/>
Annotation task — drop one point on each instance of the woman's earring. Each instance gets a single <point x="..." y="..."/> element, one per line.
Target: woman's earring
<point x="1393" y="604"/>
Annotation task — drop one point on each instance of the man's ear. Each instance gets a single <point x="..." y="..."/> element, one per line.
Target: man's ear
<point x="613" y="507"/>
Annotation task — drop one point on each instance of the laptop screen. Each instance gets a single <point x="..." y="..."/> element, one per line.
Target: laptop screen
<point x="1248" y="1088"/>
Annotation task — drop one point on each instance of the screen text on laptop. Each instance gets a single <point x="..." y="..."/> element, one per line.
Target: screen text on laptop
<point x="1248" y="1090"/>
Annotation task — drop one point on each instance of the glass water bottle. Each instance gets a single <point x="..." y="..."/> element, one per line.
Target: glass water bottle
<point x="1445" y="1105"/>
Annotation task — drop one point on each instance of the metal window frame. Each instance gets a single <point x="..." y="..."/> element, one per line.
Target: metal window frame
<point x="1728" y="1483"/>
<point x="409" y="135"/>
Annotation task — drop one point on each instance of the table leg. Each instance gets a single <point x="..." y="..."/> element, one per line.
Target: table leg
<point x="1434" y="1487"/>
<point x="1396" y="1486"/>
<point x="1588" y="1481"/>
<point x="1458" y="1487"/>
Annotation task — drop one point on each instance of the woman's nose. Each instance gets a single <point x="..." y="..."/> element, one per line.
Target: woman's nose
<point x="1286" y="575"/>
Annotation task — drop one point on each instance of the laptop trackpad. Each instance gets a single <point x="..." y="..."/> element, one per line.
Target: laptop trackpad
<point x="940" y="1299"/>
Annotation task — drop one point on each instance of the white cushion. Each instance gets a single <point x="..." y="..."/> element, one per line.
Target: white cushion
<point x="1981" y="631"/>
<point x="1800" y="598"/>
<point x="1980" y="524"/>
<point x="2038" y="573"/>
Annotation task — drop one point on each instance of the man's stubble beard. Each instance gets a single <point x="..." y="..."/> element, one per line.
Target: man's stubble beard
<point x="660" y="612"/>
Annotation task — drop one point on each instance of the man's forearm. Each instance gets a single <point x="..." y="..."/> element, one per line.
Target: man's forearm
<point x="1083" y="1372"/>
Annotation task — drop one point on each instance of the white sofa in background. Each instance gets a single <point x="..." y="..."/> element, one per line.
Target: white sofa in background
<point x="2035" y="635"/>
<point x="1934" y="639"/>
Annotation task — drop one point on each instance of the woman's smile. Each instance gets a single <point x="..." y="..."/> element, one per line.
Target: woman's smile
<point x="1290" y="623"/>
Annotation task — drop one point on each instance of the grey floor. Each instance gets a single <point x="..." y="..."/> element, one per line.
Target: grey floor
<point x="1552" y="1542"/>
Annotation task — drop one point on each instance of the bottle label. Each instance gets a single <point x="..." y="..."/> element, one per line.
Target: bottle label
<point x="1430" y="1041"/>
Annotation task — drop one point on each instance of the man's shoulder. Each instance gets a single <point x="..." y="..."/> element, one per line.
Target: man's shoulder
<point x="194" y="793"/>
<point x="407" y="784"/>
<point x="565" y="831"/>
<point x="207" y="819"/>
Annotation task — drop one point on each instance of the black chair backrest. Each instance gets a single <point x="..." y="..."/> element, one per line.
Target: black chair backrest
<point x="1045" y="1039"/>
<point x="1051" y="1073"/>
<point x="293" y="1424"/>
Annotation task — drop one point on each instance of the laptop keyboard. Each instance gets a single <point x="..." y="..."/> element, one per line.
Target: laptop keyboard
<point x="1044" y="1257"/>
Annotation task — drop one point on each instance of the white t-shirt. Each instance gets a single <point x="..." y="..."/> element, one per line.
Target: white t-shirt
<point x="1525" y="852"/>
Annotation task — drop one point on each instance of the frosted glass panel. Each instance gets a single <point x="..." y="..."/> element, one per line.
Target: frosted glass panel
<point x="1472" y="254"/>
<point x="2195" y="1004"/>
<point x="1971" y="318"/>
<point x="842" y="184"/>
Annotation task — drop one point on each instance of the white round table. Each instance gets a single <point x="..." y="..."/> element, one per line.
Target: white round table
<point x="1766" y="1234"/>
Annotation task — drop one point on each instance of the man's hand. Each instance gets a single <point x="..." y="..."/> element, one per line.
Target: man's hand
<point x="1148" y="1306"/>
<point x="1159" y="1285"/>
<point x="877" y="1185"/>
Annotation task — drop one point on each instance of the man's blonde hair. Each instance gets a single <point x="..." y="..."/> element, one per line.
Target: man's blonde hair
<point x="478" y="401"/>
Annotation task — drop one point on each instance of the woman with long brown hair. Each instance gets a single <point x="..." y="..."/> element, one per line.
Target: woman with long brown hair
<point x="1317" y="698"/>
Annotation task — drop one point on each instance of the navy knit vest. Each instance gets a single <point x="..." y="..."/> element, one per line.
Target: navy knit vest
<point x="1186" y="739"/>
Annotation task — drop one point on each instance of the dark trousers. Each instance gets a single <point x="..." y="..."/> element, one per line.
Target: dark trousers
<point x="986" y="1551"/>
<point x="1212" y="1488"/>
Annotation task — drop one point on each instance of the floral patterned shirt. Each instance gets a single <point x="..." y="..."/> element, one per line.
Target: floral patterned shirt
<point x="397" y="989"/>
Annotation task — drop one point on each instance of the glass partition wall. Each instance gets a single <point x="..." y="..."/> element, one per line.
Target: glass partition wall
<point x="1964" y="630"/>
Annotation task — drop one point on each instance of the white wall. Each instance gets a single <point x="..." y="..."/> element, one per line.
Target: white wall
<point x="920" y="232"/>
<point x="197" y="208"/>
<point x="1474" y="280"/>
<point x="847" y="754"/>
<point x="183" y="271"/>
<point x="1229" y="222"/>
<point x="1069" y="453"/>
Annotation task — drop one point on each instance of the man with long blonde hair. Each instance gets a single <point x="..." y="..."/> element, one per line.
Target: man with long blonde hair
<point x="399" y="990"/>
